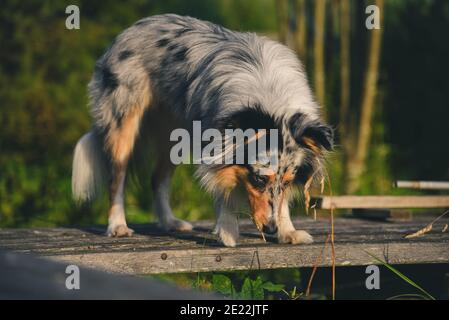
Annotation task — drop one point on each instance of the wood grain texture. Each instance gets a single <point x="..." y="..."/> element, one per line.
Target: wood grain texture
<point x="383" y="202"/>
<point x="24" y="276"/>
<point x="429" y="185"/>
<point x="152" y="251"/>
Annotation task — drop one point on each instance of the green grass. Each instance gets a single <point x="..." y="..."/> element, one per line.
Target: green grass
<point x="403" y="277"/>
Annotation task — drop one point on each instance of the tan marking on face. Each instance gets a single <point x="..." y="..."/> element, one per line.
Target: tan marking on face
<point x="258" y="202"/>
<point x="312" y="145"/>
<point x="288" y="176"/>
<point x="229" y="177"/>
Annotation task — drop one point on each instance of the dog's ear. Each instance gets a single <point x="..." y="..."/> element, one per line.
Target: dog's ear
<point x="252" y="118"/>
<point x="256" y="119"/>
<point x="311" y="133"/>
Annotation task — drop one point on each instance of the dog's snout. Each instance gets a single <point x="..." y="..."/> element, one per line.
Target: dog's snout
<point x="270" y="229"/>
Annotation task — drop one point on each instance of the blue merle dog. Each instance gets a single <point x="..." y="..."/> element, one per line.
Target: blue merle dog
<point x="166" y="71"/>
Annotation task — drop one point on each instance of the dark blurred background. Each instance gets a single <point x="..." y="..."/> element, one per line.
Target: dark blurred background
<point x="385" y="91"/>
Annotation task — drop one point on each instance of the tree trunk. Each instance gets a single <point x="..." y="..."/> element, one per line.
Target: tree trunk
<point x="282" y="19"/>
<point x="358" y="161"/>
<point x="320" y="26"/>
<point x="335" y="10"/>
<point x="345" y="67"/>
<point x="301" y="30"/>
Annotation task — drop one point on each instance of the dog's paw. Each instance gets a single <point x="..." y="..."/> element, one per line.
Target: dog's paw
<point x="227" y="239"/>
<point x="120" y="230"/>
<point x="296" y="237"/>
<point x="177" y="225"/>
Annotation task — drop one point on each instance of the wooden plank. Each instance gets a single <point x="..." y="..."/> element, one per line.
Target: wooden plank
<point x="152" y="251"/>
<point x="429" y="185"/>
<point x="382" y="214"/>
<point x="28" y="277"/>
<point x="374" y="202"/>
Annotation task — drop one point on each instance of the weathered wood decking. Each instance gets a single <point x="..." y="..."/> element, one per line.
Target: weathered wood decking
<point x="151" y="251"/>
<point x="380" y="202"/>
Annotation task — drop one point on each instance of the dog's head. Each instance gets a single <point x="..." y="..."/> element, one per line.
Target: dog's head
<point x="301" y="143"/>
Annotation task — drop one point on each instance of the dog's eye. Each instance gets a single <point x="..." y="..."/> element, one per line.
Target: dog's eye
<point x="259" y="181"/>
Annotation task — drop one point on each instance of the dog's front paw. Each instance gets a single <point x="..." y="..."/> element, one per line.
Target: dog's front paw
<point x="227" y="237"/>
<point x="177" y="225"/>
<point x="120" y="230"/>
<point x="296" y="237"/>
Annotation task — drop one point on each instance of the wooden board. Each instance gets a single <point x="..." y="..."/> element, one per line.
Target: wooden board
<point x="381" y="202"/>
<point x="24" y="276"/>
<point x="151" y="251"/>
<point x="429" y="185"/>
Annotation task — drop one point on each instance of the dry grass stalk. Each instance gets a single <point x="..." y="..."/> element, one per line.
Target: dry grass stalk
<point x="259" y="228"/>
<point x="426" y="229"/>
<point x="330" y="238"/>
<point x="314" y="209"/>
<point x="315" y="265"/>
<point x="263" y="236"/>
<point x="307" y="193"/>
<point x="444" y="228"/>
<point x="333" y="254"/>
<point x="420" y="232"/>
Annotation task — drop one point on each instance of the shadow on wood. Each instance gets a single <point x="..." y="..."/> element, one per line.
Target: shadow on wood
<point x="152" y="251"/>
<point x="27" y="277"/>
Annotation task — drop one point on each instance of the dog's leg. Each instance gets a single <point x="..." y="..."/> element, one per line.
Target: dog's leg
<point x="227" y="227"/>
<point x="120" y="142"/>
<point x="117" y="221"/>
<point x="286" y="230"/>
<point x="161" y="189"/>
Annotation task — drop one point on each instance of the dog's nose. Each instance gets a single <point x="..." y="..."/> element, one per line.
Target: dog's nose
<point x="270" y="229"/>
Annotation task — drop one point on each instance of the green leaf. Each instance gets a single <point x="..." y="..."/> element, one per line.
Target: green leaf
<point x="222" y="284"/>
<point x="252" y="289"/>
<point x="271" y="287"/>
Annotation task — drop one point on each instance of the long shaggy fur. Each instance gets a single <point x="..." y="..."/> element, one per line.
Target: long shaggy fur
<point x="89" y="174"/>
<point x="169" y="69"/>
<point x="199" y="70"/>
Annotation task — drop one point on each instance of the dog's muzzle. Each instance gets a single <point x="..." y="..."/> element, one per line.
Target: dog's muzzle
<point x="270" y="228"/>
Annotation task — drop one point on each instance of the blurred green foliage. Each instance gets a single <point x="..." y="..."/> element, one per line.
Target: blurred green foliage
<point x="252" y="284"/>
<point x="44" y="70"/>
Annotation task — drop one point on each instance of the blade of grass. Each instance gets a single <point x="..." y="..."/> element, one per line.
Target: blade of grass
<point x="333" y="254"/>
<point x="315" y="265"/>
<point x="332" y="240"/>
<point x="408" y="295"/>
<point x="401" y="275"/>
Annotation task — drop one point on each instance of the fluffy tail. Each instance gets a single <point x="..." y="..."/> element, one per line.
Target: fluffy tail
<point x="89" y="171"/>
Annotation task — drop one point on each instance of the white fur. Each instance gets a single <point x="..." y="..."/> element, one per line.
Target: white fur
<point x="88" y="173"/>
<point x="162" y="208"/>
<point x="227" y="227"/>
<point x="286" y="229"/>
<point x="117" y="226"/>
